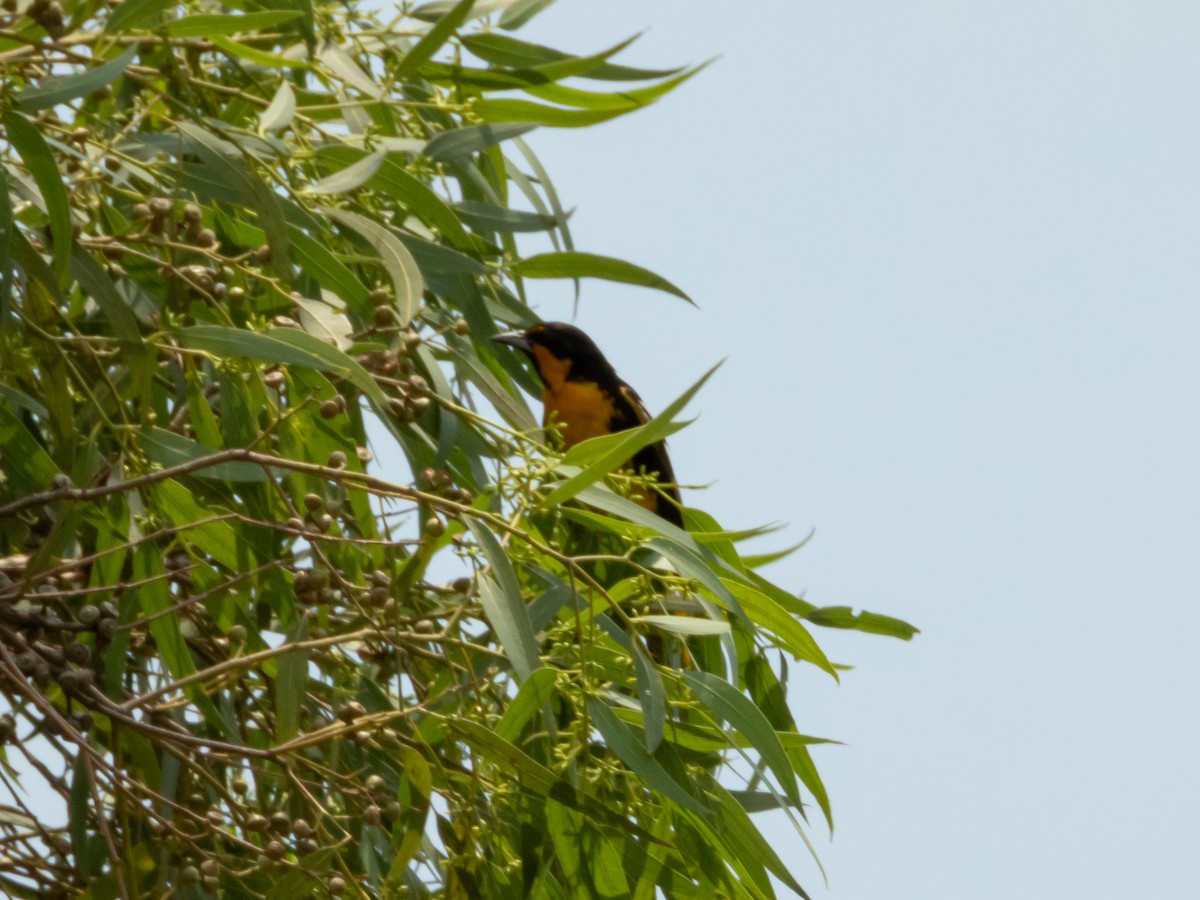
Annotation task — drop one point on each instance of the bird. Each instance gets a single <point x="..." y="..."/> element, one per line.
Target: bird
<point x="582" y="392"/>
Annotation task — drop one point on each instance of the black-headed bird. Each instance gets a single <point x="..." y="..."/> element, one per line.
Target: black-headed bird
<point x="583" y="394"/>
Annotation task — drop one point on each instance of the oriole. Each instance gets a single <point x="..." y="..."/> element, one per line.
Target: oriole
<point x="583" y="394"/>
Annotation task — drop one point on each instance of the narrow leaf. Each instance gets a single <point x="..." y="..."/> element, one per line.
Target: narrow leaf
<point x="632" y="752"/>
<point x="789" y="634"/>
<point x="471" y="139"/>
<point x="489" y="217"/>
<point x="395" y="258"/>
<point x="290" y="684"/>
<point x="747" y="842"/>
<point x="27" y="467"/>
<point x="730" y="705"/>
<point x="513" y="111"/>
<point x="590" y="265"/>
<point x="205" y="26"/>
<point x="36" y="155"/>
<point x="342" y="64"/>
<point x="170" y="449"/>
<point x="521" y="12"/>
<point x="53" y="91"/>
<point x="652" y="696"/>
<point x="353" y="176"/>
<point x="868" y="622"/>
<point x="689" y="625"/>
<point x="533" y="695"/>
<point x="315" y="260"/>
<point x="133" y="15"/>
<point x="504" y="604"/>
<point x="281" y="110"/>
<point x="432" y="41"/>
<point x="256" y="56"/>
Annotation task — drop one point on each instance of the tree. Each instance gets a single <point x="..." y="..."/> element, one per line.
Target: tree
<point x="237" y="251"/>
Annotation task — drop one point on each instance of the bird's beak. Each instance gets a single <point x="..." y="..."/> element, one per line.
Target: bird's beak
<point x="518" y="339"/>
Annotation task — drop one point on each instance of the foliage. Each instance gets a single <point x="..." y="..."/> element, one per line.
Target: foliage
<point x="239" y="244"/>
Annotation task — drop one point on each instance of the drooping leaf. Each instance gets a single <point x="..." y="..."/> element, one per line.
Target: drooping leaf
<point x="393" y="256"/>
<point x="590" y="265"/>
<point x="53" y="91"/>
<point x="504" y="604"/>
<point x="730" y="705"/>
<point x="473" y="138"/>
<point x="432" y="41"/>
<point x="36" y="155"/>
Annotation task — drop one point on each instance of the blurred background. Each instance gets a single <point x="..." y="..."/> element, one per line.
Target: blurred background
<point x="950" y="251"/>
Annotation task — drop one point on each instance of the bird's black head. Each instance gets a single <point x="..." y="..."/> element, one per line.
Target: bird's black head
<point x="561" y="352"/>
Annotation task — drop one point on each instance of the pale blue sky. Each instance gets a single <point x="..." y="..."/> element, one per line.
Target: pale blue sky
<point x="951" y="251"/>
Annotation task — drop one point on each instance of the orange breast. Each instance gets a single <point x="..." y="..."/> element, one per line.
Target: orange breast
<point x="580" y="407"/>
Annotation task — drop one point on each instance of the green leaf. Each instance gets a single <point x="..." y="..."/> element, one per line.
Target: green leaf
<point x="134" y="14"/>
<point x="632" y="752"/>
<point x="256" y="56"/>
<point x="515" y="412"/>
<point x="506" y="111"/>
<point x="291" y="683"/>
<point x="20" y="400"/>
<point x="739" y="834"/>
<point x="730" y="705"/>
<point x="27" y="467"/>
<point x="789" y="634"/>
<point x="53" y="91"/>
<point x="504" y="604"/>
<point x="393" y="256"/>
<point x="315" y="260"/>
<point x="8" y="227"/>
<point x="352" y="176"/>
<point x="342" y="64"/>
<point x="77" y="811"/>
<point x="689" y="625"/>
<point x="620" y="102"/>
<point x="224" y="341"/>
<point x="533" y="776"/>
<point x="487" y="217"/>
<point x="299" y="880"/>
<point x="281" y="345"/>
<point x="652" y="695"/>
<point x="393" y="180"/>
<point x="802" y="764"/>
<point x="219" y="539"/>
<point x="464" y="141"/>
<point x="432" y="41"/>
<point x="503" y="50"/>
<point x="334" y="360"/>
<point x="599" y="496"/>
<point x="521" y="12"/>
<point x="281" y="110"/>
<point x="154" y="601"/>
<point x="230" y="167"/>
<point x="590" y="265"/>
<point x="170" y="449"/>
<point x="868" y="622"/>
<point x="601" y="455"/>
<point x="243" y="23"/>
<point x="35" y="153"/>
<point x="534" y="694"/>
<point x="692" y="564"/>
<point x="99" y="287"/>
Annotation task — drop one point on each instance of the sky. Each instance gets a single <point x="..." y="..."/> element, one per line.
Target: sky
<point x="950" y="251"/>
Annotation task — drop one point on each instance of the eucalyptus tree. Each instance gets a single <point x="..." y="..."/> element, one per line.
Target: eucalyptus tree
<point x="245" y="249"/>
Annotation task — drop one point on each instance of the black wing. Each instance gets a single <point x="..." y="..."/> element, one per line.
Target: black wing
<point x="628" y="411"/>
